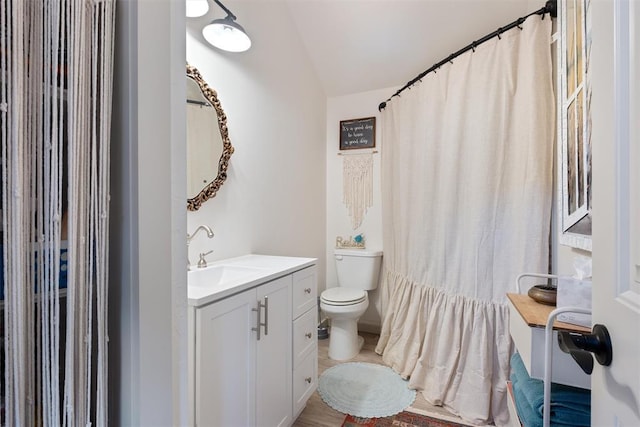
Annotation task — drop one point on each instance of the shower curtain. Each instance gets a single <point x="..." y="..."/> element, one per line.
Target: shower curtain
<point x="467" y="190"/>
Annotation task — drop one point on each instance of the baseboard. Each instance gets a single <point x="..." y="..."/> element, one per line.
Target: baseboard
<point x="370" y="328"/>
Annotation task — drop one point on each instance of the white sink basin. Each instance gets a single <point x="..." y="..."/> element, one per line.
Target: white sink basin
<point x="227" y="277"/>
<point x="219" y="275"/>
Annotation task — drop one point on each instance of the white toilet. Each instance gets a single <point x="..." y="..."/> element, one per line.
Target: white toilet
<point x="358" y="272"/>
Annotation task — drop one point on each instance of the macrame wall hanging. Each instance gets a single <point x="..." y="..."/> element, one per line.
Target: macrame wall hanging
<point x="56" y="61"/>
<point x="357" y="194"/>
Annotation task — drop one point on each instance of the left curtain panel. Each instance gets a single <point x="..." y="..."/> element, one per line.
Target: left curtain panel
<point x="56" y="61"/>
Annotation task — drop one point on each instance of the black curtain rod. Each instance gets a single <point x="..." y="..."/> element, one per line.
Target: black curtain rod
<point x="550" y="7"/>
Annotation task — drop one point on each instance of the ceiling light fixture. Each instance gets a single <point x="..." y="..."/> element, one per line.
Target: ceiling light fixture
<point x="226" y="34"/>
<point x="196" y="8"/>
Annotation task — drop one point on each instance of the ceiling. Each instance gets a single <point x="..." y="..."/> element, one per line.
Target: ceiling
<point x="361" y="45"/>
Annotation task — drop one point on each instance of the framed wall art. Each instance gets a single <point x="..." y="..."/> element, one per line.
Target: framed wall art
<point x="574" y="122"/>
<point x="358" y="133"/>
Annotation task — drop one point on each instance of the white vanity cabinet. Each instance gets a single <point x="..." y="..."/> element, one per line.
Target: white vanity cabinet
<point x="225" y="368"/>
<point x="245" y="355"/>
<point x="305" y="337"/>
<point x="273" y="371"/>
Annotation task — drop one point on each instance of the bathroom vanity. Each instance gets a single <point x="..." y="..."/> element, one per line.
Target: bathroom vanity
<point x="252" y="340"/>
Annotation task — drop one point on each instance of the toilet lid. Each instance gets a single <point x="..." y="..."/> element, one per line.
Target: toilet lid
<point x="343" y="296"/>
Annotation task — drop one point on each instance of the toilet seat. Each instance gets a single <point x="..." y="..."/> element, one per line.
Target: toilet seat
<point x="343" y="296"/>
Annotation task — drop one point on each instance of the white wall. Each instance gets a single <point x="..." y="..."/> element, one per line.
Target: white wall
<point x="347" y="107"/>
<point x="273" y="201"/>
<point x="147" y="316"/>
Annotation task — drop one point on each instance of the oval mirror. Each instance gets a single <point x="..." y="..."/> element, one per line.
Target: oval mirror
<point x="208" y="146"/>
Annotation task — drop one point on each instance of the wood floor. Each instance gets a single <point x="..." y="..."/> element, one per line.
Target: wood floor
<point x="319" y="414"/>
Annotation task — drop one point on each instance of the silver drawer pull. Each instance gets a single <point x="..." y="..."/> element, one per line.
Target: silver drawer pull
<point x="308" y="380"/>
<point x="258" y="324"/>
<point x="307" y="290"/>
<point x="308" y="335"/>
<point x="266" y="316"/>
<point x="259" y="315"/>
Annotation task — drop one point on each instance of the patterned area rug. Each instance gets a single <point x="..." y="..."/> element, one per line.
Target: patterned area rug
<point x="403" y="419"/>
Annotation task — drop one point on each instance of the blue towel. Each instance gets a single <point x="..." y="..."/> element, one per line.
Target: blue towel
<point x="528" y="416"/>
<point x="569" y="405"/>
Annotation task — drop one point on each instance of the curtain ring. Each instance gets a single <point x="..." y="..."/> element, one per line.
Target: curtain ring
<point x="473" y="47"/>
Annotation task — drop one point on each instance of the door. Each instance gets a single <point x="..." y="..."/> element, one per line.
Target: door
<point x="225" y="362"/>
<point x="273" y="394"/>
<point x="616" y="186"/>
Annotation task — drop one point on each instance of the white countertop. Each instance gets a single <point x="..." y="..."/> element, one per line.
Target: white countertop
<point x="266" y="267"/>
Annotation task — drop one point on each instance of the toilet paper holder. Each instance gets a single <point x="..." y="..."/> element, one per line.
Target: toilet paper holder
<point x="581" y="345"/>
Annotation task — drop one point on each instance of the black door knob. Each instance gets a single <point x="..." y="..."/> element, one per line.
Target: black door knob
<point x="580" y="346"/>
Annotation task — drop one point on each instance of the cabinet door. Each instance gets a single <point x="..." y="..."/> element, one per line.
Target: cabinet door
<point x="274" y="395"/>
<point x="225" y="362"/>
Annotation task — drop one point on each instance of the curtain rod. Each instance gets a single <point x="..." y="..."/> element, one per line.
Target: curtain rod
<point x="549" y="7"/>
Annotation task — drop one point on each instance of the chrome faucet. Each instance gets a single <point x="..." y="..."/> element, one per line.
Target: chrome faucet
<point x="190" y="237"/>
<point x="202" y="263"/>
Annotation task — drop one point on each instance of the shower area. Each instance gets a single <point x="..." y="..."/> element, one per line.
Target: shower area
<point x="467" y="187"/>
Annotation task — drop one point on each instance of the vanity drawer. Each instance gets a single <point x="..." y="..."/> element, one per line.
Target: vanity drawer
<point x="305" y="290"/>
<point x="304" y="335"/>
<point x="305" y="381"/>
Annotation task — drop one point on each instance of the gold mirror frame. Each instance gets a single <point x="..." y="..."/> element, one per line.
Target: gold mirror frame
<point x="211" y="189"/>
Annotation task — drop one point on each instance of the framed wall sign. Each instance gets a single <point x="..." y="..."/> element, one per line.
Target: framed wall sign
<point x="358" y="133"/>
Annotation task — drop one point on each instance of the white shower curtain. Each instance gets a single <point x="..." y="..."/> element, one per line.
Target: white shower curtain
<point x="467" y="190"/>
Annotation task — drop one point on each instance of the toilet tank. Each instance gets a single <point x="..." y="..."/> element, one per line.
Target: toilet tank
<point x="358" y="268"/>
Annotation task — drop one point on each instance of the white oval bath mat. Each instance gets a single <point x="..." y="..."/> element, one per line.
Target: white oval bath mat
<point x="365" y="390"/>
